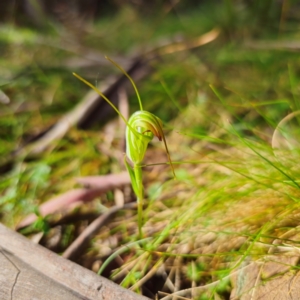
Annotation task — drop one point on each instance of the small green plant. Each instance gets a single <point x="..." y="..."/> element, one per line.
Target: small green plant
<point x="141" y="128"/>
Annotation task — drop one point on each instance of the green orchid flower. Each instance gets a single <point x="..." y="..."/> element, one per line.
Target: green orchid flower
<point x="141" y="128"/>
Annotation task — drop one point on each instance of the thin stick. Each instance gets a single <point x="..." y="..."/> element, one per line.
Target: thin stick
<point x="83" y="239"/>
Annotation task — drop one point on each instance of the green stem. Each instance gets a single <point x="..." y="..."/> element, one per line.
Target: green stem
<point x="140" y="196"/>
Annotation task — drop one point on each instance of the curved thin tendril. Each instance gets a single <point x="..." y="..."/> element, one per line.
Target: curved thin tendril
<point x="131" y="80"/>
<point x="136" y="133"/>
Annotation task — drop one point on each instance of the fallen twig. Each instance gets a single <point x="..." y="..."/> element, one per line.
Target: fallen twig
<point x="83" y="239"/>
<point x="101" y="185"/>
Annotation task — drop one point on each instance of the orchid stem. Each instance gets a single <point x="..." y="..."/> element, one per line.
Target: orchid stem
<point x="140" y="196"/>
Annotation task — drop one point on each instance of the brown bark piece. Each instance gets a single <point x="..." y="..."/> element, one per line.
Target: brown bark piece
<point x="29" y="271"/>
